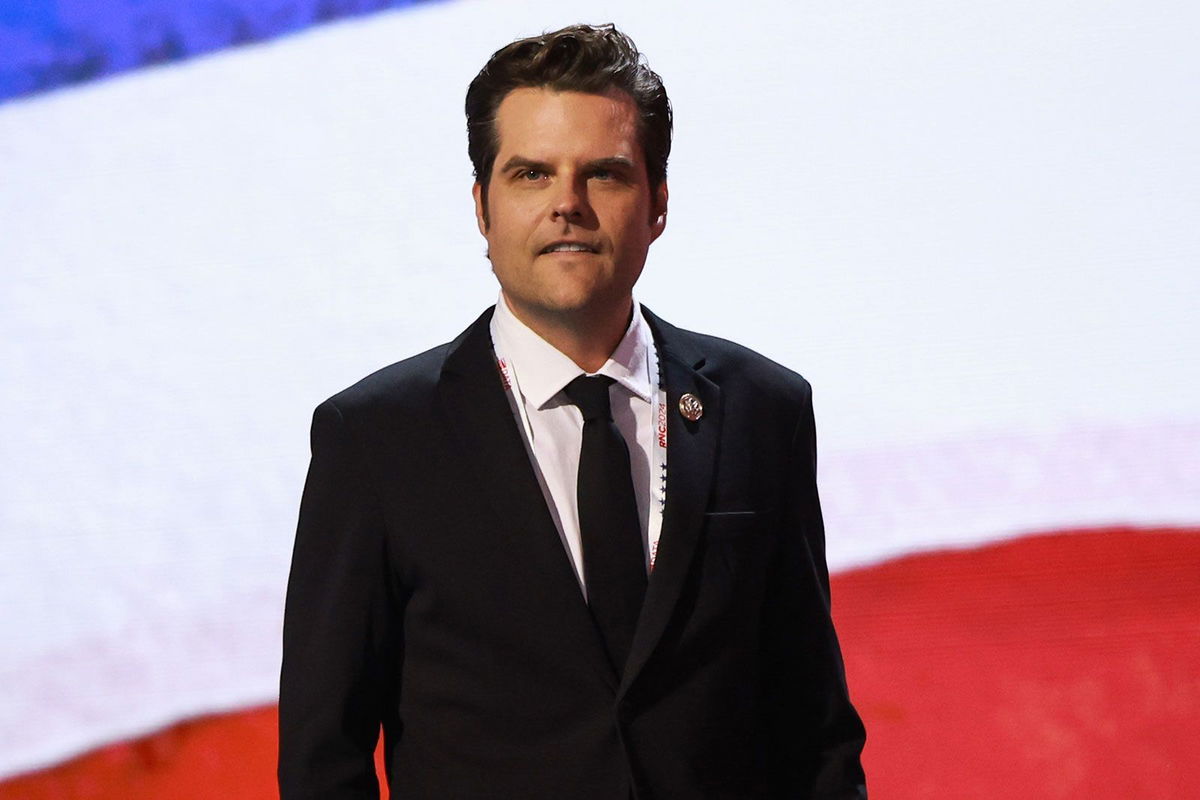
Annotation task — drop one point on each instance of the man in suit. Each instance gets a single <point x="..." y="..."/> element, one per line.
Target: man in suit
<point x="577" y="552"/>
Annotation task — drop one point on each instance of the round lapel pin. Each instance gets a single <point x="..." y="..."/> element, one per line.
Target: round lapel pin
<point x="690" y="407"/>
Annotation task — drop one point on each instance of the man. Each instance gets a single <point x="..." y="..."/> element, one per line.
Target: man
<point x="577" y="552"/>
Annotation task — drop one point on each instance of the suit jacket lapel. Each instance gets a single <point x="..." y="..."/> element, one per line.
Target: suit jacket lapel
<point x="477" y="410"/>
<point x="691" y="457"/>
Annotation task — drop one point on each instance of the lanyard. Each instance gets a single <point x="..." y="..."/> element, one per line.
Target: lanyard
<point x="658" y="428"/>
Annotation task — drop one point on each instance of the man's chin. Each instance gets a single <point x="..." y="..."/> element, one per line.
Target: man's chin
<point x="569" y="307"/>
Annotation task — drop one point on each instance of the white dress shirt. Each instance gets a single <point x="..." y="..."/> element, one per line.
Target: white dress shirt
<point x="552" y="427"/>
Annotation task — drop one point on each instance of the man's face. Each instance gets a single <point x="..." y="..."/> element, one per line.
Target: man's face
<point x="570" y="211"/>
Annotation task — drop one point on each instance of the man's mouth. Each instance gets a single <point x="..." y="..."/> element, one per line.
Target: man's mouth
<point x="568" y="247"/>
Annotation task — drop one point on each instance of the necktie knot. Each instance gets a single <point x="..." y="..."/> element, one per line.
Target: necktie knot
<point x="590" y="394"/>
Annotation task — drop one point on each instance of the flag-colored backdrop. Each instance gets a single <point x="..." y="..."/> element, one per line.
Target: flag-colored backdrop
<point x="971" y="227"/>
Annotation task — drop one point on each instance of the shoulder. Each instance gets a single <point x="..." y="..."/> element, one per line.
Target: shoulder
<point x="407" y="388"/>
<point x="730" y="365"/>
<point x="398" y="384"/>
<point x="396" y="400"/>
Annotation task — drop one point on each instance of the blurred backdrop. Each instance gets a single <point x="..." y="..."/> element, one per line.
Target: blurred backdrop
<point x="973" y="227"/>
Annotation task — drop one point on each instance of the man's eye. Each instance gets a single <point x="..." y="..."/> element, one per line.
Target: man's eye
<point x="532" y="175"/>
<point x="602" y="174"/>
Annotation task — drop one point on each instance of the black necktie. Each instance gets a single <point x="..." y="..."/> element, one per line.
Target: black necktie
<point x="614" y="566"/>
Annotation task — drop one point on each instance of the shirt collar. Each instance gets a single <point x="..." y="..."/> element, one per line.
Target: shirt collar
<point x="543" y="371"/>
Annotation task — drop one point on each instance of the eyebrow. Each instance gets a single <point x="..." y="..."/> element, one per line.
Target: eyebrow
<point x="612" y="162"/>
<point x="524" y="163"/>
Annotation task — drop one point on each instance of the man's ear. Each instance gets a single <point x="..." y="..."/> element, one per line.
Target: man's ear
<point x="658" y="211"/>
<point x="480" y="207"/>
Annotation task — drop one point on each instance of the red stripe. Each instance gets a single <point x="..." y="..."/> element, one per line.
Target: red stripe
<point x="1061" y="666"/>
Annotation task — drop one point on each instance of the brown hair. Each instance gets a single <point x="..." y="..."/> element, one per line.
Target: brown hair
<point x="578" y="58"/>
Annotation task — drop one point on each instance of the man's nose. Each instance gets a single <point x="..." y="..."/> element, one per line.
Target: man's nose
<point x="570" y="202"/>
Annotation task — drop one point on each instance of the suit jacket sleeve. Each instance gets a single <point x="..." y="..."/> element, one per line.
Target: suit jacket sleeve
<point x="815" y="735"/>
<point x="340" y="661"/>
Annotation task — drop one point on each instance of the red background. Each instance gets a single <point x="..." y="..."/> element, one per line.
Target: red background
<point x="1056" y="666"/>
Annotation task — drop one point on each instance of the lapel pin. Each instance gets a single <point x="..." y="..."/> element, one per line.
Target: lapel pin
<point x="690" y="407"/>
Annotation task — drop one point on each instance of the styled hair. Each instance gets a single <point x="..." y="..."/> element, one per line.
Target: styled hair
<point x="578" y="58"/>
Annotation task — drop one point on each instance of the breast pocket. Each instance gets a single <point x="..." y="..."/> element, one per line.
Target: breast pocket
<point x="732" y="525"/>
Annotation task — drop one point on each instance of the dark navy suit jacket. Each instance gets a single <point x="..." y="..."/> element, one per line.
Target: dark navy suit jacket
<point x="430" y="594"/>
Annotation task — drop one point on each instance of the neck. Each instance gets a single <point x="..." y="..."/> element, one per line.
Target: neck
<point x="586" y="339"/>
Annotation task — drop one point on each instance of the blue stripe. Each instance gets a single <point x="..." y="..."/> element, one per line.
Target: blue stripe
<point x="45" y="44"/>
